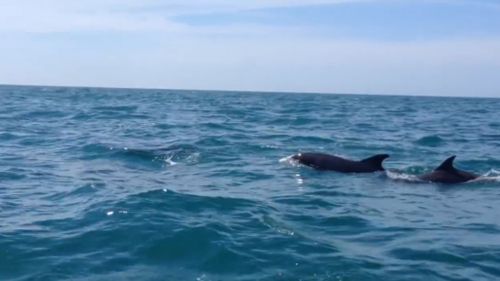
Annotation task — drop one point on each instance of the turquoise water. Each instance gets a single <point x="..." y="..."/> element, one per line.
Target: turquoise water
<point x="98" y="184"/>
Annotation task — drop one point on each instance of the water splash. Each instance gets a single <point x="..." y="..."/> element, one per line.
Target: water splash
<point x="170" y="155"/>
<point x="398" y="175"/>
<point x="492" y="175"/>
<point x="170" y="162"/>
<point x="290" y="160"/>
<point x="277" y="226"/>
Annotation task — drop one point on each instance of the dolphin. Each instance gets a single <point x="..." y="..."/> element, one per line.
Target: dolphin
<point x="321" y="161"/>
<point x="446" y="173"/>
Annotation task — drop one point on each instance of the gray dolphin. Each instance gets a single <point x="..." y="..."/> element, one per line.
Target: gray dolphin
<point x="446" y="173"/>
<point x="321" y="161"/>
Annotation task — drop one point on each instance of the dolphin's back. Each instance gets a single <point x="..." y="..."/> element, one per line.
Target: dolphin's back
<point x="442" y="177"/>
<point x="323" y="161"/>
<point x="456" y="176"/>
<point x="447" y="173"/>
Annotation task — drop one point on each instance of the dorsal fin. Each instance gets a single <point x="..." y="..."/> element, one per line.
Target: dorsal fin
<point x="376" y="160"/>
<point x="447" y="165"/>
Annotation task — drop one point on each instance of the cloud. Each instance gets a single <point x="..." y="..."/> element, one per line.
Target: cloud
<point x="123" y="15"/>
<point x="458" y="67"/>
<point x="71" y="16"/>
<point x="132" y="43"/>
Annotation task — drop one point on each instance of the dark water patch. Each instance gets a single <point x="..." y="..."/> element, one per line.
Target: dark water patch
<point x="110" y="113"/>
<point x="189" y="244"/>
<point x="490" y="137"/>
<point x="221" y="126"/>
<point x="365" y="126"/>
<point x="353" y="146"/>
<point x="159" y="156"/>
<point x="35" y="141"/>
<point x="306" y="202"/>
<point x="241" y="176"/>
<point x="440" y="256"/>
<point x="334" y="193"/>
<point x="212" y="141"/>
<point x="352" y="224"/>
<point x="185" y="242"/>
<point x="119" y="108"/>
<point x="476" y="111"/>
<point x="483" y="228"/>
<point x="190" y="202"/>
<point x="99" y="172"/>
<point x="310" y="139"/>
<point x="6" y="176"/>
<point x="432" y="141"/>
<point x="481" y="259"/>
<point x="479" y="165"/>
<point x="303" y="121"/>
<point x="494" y="125"/>
<point x="282" y="137"/>
<point x="83" y="116"/>
<point x="8" y="136"/>
<point x="172" y="126"/>
<point x="79" y="192"/>
<point x="42" y="114"/>
<point x="382" y="236"/>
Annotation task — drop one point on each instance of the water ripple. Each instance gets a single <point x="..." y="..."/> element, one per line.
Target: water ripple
<point x="99" y="184"/>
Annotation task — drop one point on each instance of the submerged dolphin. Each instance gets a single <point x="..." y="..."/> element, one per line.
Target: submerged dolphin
<point x="446" y="173"/>
<point x="323" y="161"/>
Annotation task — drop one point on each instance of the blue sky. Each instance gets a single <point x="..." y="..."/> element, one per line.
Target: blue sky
<point x="424" y="47"/>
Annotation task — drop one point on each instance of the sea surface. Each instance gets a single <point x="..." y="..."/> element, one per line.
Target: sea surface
<point x="120" y="184"/>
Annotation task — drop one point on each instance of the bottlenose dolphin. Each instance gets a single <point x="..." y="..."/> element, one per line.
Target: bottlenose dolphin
<point x="446" y="173"/>
<point x="323" y="161"/>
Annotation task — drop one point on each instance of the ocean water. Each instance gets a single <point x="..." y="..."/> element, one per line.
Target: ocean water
<point x="117" y="184"/>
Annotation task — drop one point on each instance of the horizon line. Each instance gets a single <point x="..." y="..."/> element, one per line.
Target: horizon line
<point x="244" y="91"/>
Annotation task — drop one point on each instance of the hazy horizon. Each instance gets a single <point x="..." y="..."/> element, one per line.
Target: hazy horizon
<point x="243" y="91"/>
<point x="374" y="47"/>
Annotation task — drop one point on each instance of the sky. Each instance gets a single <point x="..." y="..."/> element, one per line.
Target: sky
<point x="401" y="47"/>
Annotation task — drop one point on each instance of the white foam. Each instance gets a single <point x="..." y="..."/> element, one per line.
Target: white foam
<point x="289" y="160"/>
<point x="202" y="277"/>
<point x="277" y="226"/>
<point x="492" y="175"/>
<point x="401" y="176"/>
<point x="170" y="162"/>
<point x="193" y="158"/>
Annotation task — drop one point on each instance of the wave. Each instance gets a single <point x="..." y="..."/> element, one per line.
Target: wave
<point x="492" y="175"/>
<point x="397" y="175"/>
<point x="170" y="155"/>
<point x="122" y="108"/>
<point x="8" y="175"/>
<point x="402" y="176"/>
<point x="99" y="184"/>
<point x="432" y="141"/>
